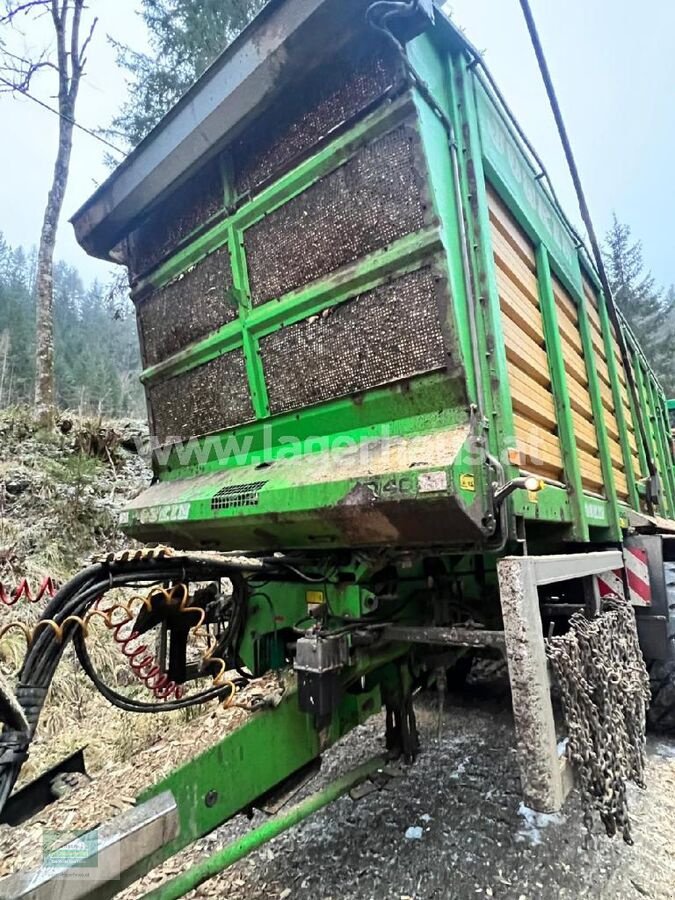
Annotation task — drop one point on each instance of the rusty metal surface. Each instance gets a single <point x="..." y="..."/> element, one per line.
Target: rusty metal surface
<point x="336" y="91"/>
<point x="374" y="198"/>
<point x="460" y="637"/>
<point x="205" y="399"/>
<point x="379" y="337"/>
<point x="188" y="308"/>
<point x="188" y="207"/>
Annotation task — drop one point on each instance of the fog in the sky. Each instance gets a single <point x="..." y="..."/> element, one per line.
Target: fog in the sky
<point x="614" y="70"/>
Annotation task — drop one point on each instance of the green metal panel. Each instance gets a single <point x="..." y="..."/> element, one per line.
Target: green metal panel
<point x="506" y="160"/>
<point x="487" y="148"/>
<point x="491" y="344"/>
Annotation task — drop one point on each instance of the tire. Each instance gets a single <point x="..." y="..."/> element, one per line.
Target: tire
<point x="661" y="713"/>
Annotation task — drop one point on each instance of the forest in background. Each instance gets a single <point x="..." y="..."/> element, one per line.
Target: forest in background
<point x="97" y="361"/>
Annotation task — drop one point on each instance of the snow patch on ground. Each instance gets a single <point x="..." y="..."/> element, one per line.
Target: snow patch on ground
<point x="535" y="822"/>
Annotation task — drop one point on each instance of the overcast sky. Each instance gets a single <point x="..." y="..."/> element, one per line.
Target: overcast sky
<point x="612" y="62"/>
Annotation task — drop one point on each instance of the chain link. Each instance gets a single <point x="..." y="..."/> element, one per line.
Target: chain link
<point x="604" y="688"/>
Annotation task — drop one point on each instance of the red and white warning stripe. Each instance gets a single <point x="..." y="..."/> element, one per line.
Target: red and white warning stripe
<point x="637" y="576"/>
<point x="610" y="584"/>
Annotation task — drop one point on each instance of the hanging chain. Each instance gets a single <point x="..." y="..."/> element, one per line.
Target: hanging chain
<point x="604" y="687"/>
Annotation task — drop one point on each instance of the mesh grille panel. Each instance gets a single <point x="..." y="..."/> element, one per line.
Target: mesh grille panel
<point x="188" y="308"/>
<point x="373" y="199"/>
<point x="237" y="495"/>
<point x="384" y="335"/>
<point x="189" y="206"/>
<point x="332" y="94"/>
<point x="205" y="399"/>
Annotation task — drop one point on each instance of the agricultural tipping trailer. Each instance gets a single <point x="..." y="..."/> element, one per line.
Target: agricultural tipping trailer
<point x="396" y="420"/>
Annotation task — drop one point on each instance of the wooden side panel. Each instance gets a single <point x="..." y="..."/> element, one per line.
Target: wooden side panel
<point x="609" y="411"/>
<point x="580" y="398"/>
<point x="536" y="436"/>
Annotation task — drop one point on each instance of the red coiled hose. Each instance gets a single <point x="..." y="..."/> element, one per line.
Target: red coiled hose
<point x="46" y="589"/>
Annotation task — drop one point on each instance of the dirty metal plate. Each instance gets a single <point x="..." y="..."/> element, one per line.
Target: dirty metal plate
<point x="191" y="306"/>
<point x="382" y="336"/>
<point x="207" y="398"/>
<point x="92" y="864"/>
<point x="376" y="197"/>
<point x="336" y="91"/>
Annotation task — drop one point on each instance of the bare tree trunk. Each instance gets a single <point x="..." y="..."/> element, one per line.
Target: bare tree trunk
<point x="70" y="60"/>
<point x="44" y="337"/>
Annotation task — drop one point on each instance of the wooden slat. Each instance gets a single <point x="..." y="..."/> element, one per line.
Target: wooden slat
<point x="602" y="369"/>
<point x="615" y="453"/>
<point x="621" y="484"/>
<point x="525" y="314"/>
<point x="524" y="353"/>
<point x="513" y="266"/>
<point x="575" y="365"/>
<point x="585" y="432"/>
<point x="598" y="343"/>
<point x="579" y="399"/>
<point x="591" y="471"/>
<point x="539" y="445"/>
<point x="611" y="425"/>
<point x="531" y="399"/>
<point x="564" y="302"/>
<point x="504" y="222"/>
<point x="570" y="332"/>
<point x="592" y="308"/>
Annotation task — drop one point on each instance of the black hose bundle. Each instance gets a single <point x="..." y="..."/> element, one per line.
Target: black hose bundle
<point x="46" y="648"/>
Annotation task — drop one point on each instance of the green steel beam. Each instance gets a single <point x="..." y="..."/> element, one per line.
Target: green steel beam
<point x="660" y="441"/>
<point x="254" y="367"/>
<point x="230" y="776"/>
<point x="618" y="403"/>
<point x="198" y="874"/>
<point x="495" y="368"/>
<point x="568" y="444"/>
<point x="645" y="406"/>
<point x="599" y="417"/>
<point x="450" y="204"/>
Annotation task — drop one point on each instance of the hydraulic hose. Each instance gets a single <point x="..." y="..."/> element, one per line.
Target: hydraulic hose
<point x="70" y="603"/>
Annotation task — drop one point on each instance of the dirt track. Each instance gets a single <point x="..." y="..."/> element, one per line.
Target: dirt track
<point x="463" y="793"/>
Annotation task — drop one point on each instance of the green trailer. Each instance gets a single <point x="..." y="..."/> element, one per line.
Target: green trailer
<point x="390" y="404"/>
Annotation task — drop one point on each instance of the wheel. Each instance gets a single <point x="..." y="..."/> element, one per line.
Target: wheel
<point x="661" y="713"/>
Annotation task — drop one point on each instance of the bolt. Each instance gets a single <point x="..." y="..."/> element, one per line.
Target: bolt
<point x="211" y="798"/>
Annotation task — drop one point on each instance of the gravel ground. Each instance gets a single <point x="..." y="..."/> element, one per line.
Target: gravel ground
<point x="451" y="826"/>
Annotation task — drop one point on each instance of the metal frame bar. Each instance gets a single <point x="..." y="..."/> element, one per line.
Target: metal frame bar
<point x="599" y="418"/>
<point x="622" y="424"/>
<point x="568" y="443"/>
<point x="544" y="775"/>
<point x="116" y="847"/>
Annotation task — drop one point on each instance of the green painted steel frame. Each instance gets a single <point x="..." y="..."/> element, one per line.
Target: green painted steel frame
<point x="463" y="99"/>
<point x="608" y="341"/>
<point x="568" y="444"/>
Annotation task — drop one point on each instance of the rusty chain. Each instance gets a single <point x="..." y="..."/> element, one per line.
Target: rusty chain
<point x="604" y="688"/>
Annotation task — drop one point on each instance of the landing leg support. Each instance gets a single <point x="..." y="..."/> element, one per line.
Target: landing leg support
<point x="545" y="775"/>
<point x="540" y="767"/>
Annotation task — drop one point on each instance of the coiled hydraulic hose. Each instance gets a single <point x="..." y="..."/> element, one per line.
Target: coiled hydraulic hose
<point x="66" y="610"/>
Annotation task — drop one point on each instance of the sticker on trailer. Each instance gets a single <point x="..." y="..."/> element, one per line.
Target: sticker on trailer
<point x="610" y="585"/>
<point x="637" y="576"/>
